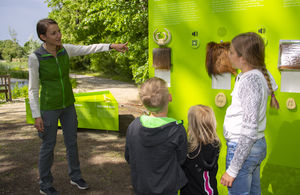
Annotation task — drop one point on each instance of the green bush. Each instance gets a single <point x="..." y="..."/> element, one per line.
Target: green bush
<point x="17" y="92"/>
<point x="15" y="69"/>
<point x="73" y="82"/>
<point x="80" y="63"/>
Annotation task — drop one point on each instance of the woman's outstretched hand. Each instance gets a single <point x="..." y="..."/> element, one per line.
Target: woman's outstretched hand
<point x="122" y="47"/>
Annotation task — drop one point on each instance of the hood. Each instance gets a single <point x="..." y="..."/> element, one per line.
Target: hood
<point x="155" y="136"/>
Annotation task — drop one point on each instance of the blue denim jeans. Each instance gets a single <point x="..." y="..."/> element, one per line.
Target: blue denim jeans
<point x="68" y="119"/>
<point x="247" y="181"/>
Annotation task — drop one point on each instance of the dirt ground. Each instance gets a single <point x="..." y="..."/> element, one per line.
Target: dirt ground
<point x="101" y="152"/>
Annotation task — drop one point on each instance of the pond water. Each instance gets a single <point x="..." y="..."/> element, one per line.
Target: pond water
<point x="21" y="82"/>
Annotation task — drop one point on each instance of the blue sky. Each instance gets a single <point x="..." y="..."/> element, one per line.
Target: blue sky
<point x="21" y="16"/>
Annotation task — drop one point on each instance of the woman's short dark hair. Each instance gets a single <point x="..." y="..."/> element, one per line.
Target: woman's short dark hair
<point x="42" y="26"/>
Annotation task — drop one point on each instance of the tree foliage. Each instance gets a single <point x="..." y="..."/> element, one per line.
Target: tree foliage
<point x="10" y="49"/>
<point x="30" y="46"/>
<point x="107" y="21"/>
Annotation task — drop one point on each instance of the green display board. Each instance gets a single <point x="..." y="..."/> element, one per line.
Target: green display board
<point x="194" y="23"/>
<point x="95" y="110"/>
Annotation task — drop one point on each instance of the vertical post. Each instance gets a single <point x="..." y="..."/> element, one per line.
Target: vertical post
<point x="5" y="86"/>
<point x="9" y="89"/>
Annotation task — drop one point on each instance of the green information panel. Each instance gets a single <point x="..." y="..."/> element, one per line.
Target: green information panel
<point x="194" y="23"/>
<point x="95" y="110"/>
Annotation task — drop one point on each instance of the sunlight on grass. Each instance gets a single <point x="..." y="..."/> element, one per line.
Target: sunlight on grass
<point x="16" y="137"/>
<point x="114" y="154"/>
<point x="6" y="166"/>
<point x="109" y="157"/>
<point x="103" y="137"/>
<point x="2" y="157"/>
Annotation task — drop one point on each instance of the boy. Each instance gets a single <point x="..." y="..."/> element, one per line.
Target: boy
<point x="156" y="146"/>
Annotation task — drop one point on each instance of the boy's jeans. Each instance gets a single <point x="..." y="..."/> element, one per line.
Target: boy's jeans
<point x="68" y="121"/>
<point x="247" y="181"/>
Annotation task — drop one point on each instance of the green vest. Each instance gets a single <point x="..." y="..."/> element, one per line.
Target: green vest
<point x="56" y="92"/>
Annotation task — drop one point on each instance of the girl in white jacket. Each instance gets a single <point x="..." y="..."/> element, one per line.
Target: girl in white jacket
<point x="245" y="119"/>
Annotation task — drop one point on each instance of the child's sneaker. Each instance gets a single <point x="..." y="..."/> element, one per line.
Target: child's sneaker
<point x="49" y="191"/>
<point x="81" y="184"/>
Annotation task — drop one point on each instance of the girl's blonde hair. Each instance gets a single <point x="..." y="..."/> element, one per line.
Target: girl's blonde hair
<point x="252" y="47"/>
<point x="154" y="94"/>
<point x="202" y="127"/>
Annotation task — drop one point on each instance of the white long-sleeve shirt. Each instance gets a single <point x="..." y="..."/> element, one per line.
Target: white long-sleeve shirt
<point x="33" y="64"/>
<point x="245" y="119"/>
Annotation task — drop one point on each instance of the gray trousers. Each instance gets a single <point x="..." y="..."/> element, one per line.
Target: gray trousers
<point x="68" y="120"/>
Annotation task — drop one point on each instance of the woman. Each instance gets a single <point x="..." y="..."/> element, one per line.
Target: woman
<point x="49" y="67"/>
<point x="245" y="119"/>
